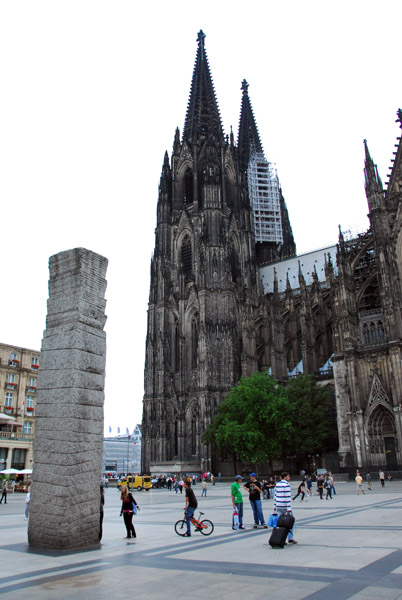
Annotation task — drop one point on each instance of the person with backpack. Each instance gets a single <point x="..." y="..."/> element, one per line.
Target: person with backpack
<point x="283" y="501"/>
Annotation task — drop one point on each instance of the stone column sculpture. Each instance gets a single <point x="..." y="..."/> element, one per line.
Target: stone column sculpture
<point x="68" y="441"/>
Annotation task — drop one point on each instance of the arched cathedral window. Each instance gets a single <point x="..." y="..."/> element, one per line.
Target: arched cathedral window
<point x="176" y="348"/>
<point x="188" y="187"/>
<point x="187" y="256"/>
<point x="194" y="343"/>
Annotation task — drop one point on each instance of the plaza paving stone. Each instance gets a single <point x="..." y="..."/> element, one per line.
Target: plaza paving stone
<point x="348" y="548"/>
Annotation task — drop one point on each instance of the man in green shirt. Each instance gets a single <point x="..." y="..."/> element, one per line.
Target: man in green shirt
<point x="237" y="500"/>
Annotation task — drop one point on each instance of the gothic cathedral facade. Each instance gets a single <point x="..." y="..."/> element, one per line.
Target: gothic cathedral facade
<point x="228" y="295"/>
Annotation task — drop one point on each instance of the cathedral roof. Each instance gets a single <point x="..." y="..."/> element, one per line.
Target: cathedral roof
<point x="203" y="117"/>
<point x="248" y="139"/>
<point x="310" y="265"/>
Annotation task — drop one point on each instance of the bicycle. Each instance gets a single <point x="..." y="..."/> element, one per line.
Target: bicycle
<point x="206" y="526"/>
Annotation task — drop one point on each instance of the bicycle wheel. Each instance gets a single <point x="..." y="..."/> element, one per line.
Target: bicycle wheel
<point x="207" y="527"/>
<point x="181" y="527"/>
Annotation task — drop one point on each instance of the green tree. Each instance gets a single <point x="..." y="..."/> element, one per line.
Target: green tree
<point x="254" y="422"/>
<point x="312" y="426"/>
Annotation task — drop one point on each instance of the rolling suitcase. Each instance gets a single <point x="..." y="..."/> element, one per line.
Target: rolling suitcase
<point x="278" y="537"/>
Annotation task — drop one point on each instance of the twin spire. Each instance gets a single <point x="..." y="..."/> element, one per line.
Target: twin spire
<point x="203" y="118"/>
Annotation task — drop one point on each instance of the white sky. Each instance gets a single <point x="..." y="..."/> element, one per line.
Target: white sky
<point x="92" y="92"/>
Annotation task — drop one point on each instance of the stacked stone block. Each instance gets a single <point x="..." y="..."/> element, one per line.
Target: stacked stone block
<point x="68" y="442"/>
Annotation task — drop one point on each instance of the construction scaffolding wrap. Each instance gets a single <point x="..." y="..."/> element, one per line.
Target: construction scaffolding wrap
<point x="263" y="187"/>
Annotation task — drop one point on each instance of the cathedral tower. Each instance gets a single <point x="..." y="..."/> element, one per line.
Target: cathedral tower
<point x="205" y="289"/>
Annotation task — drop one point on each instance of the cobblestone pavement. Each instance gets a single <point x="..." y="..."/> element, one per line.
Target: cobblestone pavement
<point x="348" y="548"/>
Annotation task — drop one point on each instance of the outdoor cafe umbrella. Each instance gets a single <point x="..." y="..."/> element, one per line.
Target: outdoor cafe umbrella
<point x="10" y="472"/>
<point x="25" y="472"/>
<point x="7" y="417"/>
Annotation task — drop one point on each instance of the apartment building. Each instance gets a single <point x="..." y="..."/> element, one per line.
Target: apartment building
<point x="18" y="383"/>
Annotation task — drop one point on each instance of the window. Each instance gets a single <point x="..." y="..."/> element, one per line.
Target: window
<point x="186" y="256"/>
<point x="18" y="458"/>
<point x="11" y="381"/>
<point x="35" y="363"/>
<point x="27" y="427"/>
<point x="29" y="402"/>
<point x="32" y="382"/>
<point x="13" y="362"/>
<point x="9" y="399"/>
<point x="188" y="187"/>
<point x="194" y="344"/>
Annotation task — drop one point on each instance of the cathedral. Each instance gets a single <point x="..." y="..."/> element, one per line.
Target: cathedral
<point x="229" y="295"/>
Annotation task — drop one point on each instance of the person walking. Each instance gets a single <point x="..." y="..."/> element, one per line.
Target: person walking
<point x="309" y="485"/>
<point x="254" y="488"/>
<point x="328" y="488"/>
<point x="382" y="478"/>
<point x="4" y="492"/>
<point x="283" y="501"/>
<point x="300" y="490"/>
<point x="320" y="485"/>
<point x="27" y="501"/>
<point x="127" y="510"/>
<point x="190" y="506"/>
<point x="331" y="479"/>
<point x="359" y="483"/>
<point x="237" y="500"/>
<point x="204" y="486"/>
<point x="368" y="479"/>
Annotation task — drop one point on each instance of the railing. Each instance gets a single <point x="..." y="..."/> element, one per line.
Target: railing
<point x="11" y="435"/>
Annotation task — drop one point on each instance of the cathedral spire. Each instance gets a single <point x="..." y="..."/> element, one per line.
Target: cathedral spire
<point x="373" y="184"/>
<point x="203" y="118"/>
<point x="248" y="139"/>
<point x="371" y="176"/>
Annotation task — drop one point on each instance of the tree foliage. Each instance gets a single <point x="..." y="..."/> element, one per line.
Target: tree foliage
<point x="311" y="422"/>
<point x="261" y="419"/>
<point x="254" y="422"/>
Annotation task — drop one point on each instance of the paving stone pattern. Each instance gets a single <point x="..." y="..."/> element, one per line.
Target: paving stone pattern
<point x="349" y="549"/>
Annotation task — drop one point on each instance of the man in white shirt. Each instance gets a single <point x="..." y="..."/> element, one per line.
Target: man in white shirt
<point x="283" y="501"/>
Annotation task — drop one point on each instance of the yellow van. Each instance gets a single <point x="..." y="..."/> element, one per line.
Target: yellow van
<point x="137" y="482"/>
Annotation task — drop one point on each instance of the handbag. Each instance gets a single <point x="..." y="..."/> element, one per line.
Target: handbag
<point x="134" y="508"/>
<point x="286" y="521"/>
<point x="273" y="520"/>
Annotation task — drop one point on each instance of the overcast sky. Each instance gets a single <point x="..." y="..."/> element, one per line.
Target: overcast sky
<point x="92" y="92"/>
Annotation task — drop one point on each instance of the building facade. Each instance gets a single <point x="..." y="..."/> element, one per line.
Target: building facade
<point x="122" y="453"/>
<point x="18" y="376"/>
<point x="229" y="295"/>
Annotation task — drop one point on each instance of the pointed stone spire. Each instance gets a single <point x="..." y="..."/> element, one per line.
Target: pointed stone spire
<point x="165" y="180"/>
<point x="372" y="179"/>
<point x="275" y="281"/>
<point x="176" y="141"/>
<point x="248" y="140"/>
<point x="203" y="118"/>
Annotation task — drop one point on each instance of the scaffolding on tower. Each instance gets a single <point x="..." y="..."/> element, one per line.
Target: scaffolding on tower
<point x="264" y="192"/>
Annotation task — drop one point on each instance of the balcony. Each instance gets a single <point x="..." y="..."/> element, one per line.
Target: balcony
<point x="31" y="389"/>
<point x="35" y="367"/>
<point x="10" y="385"/>
<point x="8" y="410"/>
<point x="30" y="410"/>
<point x="12" y="435"/>
<point x="14" y="362"/>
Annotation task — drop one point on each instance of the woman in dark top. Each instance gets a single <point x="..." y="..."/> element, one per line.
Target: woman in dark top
<point x="127" y="510"/>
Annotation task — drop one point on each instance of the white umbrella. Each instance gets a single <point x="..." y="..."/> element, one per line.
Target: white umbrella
<point x="8" y="417"/>
<point x="25" y="472"/>
<point x="10" y="472"/>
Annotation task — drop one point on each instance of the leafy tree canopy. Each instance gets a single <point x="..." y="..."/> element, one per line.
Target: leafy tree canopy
<point x="260" y="419"/>
<point x="254" y="422"/>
